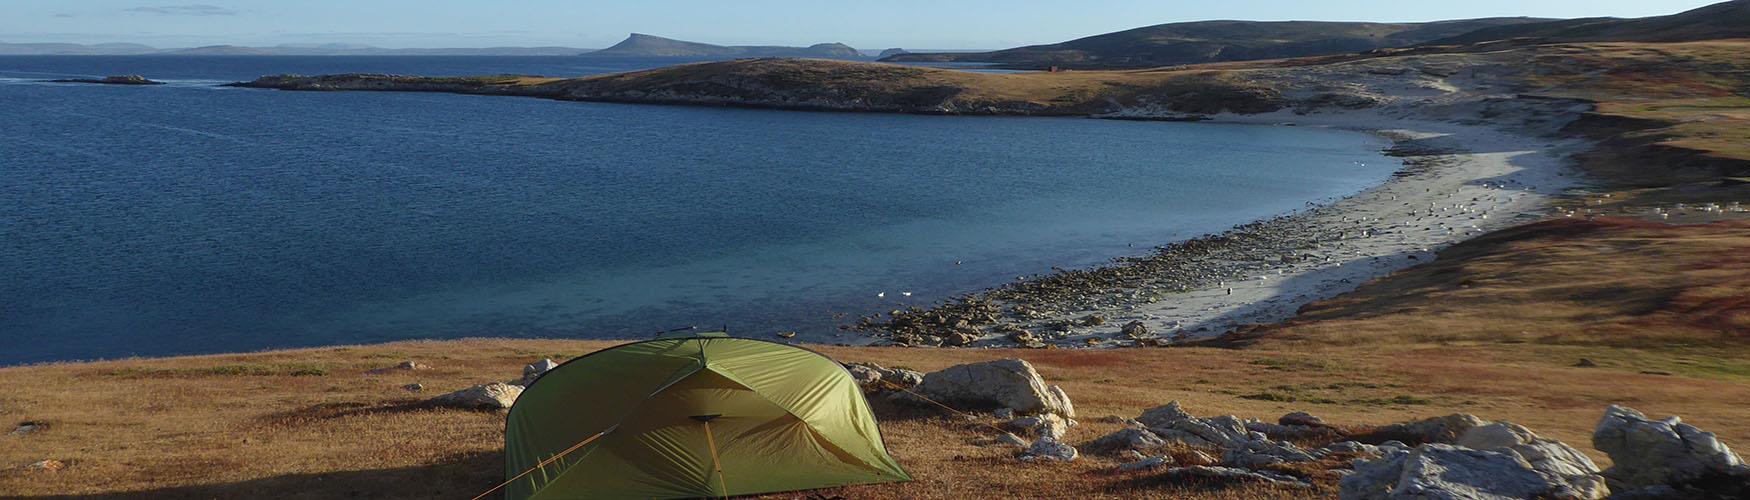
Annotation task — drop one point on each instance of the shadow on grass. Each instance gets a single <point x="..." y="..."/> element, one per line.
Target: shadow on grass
<point x="319" y="413"/>
<point x="459" y="477"/>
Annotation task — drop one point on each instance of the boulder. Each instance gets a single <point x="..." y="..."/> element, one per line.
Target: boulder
<point x="1230" y="475"/>
<point x="1147" y="463"/>
<point x="1301" y="418"/>
<point x="1134" y="330"/>
<point x="1044" y="426"/>
<point x="1132" y="438"/>
<point x="874" y="378"/>
<point x="534" y="371"/>
<point x="1049" y="449"/>
<point x="1195" y="457"/>
<point x="1496" y="435"/>
<point x="1247" y="459"/>
<point x="493" y="396"/>
<point x="1060" y="400"/>
<point x="1445" y="429"/>
<point x="1447" y="471"/>
<point x="1004" y="383"/>
<point x="867" y="375"/>
<point x="903" y="377"/>
<point x="1653" y="453"/>
<point x="1172" y="424"/>
<point x="1349" y="447"/>
<point x="1279" y="431"/>
<point x="26" y="428"/>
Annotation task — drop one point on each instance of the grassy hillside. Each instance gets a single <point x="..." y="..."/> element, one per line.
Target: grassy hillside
<point x="1719" y="21"/>
<point x="1217" y="41"/>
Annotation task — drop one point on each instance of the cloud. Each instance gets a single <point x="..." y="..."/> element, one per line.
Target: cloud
<point x="185" y="10"/>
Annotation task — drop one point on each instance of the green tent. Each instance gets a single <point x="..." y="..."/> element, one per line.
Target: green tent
<point x="701" y="416"/>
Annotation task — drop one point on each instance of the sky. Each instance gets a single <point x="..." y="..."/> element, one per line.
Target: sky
<point x="912" y="24"/>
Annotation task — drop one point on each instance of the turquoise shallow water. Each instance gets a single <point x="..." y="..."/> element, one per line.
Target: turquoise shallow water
<point x="187" y="218"/>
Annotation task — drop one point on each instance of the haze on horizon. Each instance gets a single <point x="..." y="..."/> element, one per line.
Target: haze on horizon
<point x="978" y="24"/>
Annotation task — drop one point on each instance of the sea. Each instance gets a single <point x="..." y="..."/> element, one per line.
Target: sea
<point x="192" y="218"/>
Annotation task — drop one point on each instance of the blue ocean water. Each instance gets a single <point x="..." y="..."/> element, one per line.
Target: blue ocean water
<point x="189" y="218"/>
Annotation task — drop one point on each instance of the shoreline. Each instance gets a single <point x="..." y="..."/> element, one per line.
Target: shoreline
<point x="1458" y="181"/>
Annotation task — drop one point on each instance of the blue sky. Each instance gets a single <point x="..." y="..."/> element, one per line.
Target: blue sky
<point x="939" y="24"/>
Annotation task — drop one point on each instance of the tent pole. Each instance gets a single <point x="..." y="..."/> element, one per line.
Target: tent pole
<point x="715" y="463"/>
<point x="543" y="463"/>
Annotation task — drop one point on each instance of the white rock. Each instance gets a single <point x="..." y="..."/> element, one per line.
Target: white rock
<point x="1147" y="463"/>
<point x="534" y="371"/>
<point x="867" y="375"/>
<point x="1061" y="401"/>
<point x="1128" y="439"/>
<point x="1045" y="426"/>
<point x="493" y="396"/>
<point x="1452" y="472"/>
<point x="1173" y="424"/>
<point x="1349" y="447"/>
<point x="1050" y="449"/>
<point x="1661" y="452"/>
<point x="1004" y="383"/>
<point x="1495" y="436"/>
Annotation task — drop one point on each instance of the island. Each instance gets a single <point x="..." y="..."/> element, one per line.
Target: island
<point x="650" y="46"/>
<point x="112" y="80"/>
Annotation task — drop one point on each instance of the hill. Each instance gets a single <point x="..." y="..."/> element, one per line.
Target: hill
<point x="1218" y="41"/>
<point x="1717" y="21"/>
<point x="642" y="45"/>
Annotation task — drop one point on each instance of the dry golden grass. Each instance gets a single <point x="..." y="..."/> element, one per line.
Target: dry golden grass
<point x="313" y="424"/>
<point x="1613" y="282"/>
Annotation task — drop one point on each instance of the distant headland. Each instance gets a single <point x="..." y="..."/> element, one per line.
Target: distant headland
<point x="642" y="45"/>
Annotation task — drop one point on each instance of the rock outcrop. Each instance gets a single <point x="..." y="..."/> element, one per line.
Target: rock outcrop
<point x="1046" y="448"/>
<point x="1240" y="446"/>
<point x="1044" y="426"/>
<point x="1230" y="475"/>
<point x="1667" y="458"/>
<point x="1147" y="463"/>
<point x="1509" y="462"/>
<point x="874" y="378"/>
<point x="1445" y="429"/>
<point x="493" y="396"/>
<point x="533" y="371"/>
<point x="1128" y="439"/>
<point x="1004" y="383"/>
